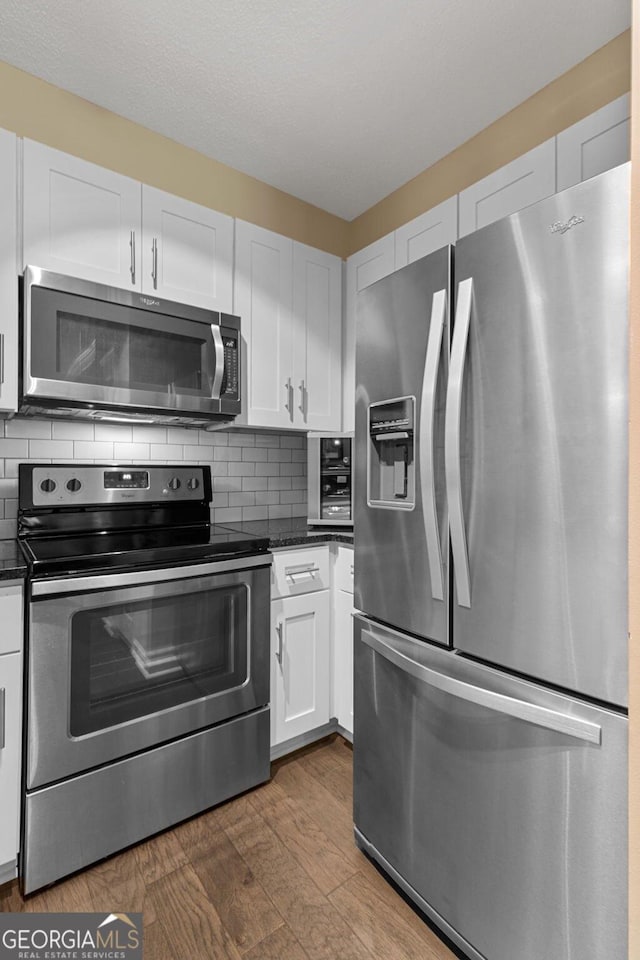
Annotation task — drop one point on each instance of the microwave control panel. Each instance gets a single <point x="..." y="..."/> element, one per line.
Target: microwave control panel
<point x="230" y="379"/>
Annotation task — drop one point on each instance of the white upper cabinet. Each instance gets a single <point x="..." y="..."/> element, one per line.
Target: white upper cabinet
<point x="263" y="292"/>
<point x="363" y="268"/>
<point x="80" y="219"/>
<point x="595" y="144"/>
<point x="8" y="275"/>
<point x="518" y="184"/>
<point x="288" y="296"/>
<point x="187" y="252"/>
<point x="317" y="334"/>
<point x="88" y="222"/>
<point x="428" y="232"/>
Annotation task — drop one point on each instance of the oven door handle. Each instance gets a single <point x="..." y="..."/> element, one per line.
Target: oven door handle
<point x="41" y="588"/>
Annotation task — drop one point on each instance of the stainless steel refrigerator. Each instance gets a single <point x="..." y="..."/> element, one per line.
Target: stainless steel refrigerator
<point x="490" y="741"/>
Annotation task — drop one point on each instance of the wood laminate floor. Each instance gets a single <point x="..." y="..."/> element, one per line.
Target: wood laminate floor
<point x="271" y="875"/>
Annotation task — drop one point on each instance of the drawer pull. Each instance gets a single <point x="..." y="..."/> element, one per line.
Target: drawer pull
<point x="306" y="571"/>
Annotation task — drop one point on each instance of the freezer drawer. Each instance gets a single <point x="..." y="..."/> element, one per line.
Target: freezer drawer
<point x="500" y="804"/>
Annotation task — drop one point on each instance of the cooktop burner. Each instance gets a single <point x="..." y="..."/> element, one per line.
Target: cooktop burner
<point x="92" y="517"/>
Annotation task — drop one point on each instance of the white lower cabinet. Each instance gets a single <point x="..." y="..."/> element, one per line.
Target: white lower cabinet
<point x="10" y="727"/>
<point x="300" y="676"/>
<point x="311" y="645"/>
<point x="343" y="660"/>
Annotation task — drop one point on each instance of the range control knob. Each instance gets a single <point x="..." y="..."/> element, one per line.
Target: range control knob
<point x="193" y="483"/>
<point x="174" y="483"/>
<point x="48" y="485"/>
<point x="73" y="485"/>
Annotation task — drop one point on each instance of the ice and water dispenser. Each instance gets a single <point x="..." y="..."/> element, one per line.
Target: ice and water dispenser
<point x="391" y="475"/>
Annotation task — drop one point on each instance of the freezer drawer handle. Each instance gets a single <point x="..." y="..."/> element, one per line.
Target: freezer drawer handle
<point x="427" y="414"/>
<point x="452" y="442"/>
<point x="519" y="709"/>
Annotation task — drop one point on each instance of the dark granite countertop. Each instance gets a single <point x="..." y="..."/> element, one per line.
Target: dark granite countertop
<point x="293" y="532"/>
<point x="12" y="565"/>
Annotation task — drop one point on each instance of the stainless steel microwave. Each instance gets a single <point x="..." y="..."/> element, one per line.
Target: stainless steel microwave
<point x="99" y="352"/>
<point x="330" y="479"/>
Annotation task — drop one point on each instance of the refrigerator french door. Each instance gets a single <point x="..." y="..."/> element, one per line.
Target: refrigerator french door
<point x="536" y="440"/>
<point x="401" y="546"/>
<point x="474" y="789"/>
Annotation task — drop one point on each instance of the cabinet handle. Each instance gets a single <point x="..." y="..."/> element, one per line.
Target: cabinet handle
<point x="289" y="404"/>
<point x="154" y="263"/>
<point x="1" y="357"/>
<point x="304" y="571"/>
<point x="132" y="266"/>
<point x="303" y="399"/>
<point x="3" y="719"/>
<point x="279" y="650"/>
<point x="351" y="569"/>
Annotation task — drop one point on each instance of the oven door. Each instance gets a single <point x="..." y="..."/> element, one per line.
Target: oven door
<point x="123" y="662"/>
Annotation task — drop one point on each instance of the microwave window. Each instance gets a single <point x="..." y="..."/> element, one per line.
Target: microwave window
<point x="91" y="350"/>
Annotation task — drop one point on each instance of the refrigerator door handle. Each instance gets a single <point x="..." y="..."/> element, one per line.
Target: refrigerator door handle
<point x="452" y="442"/>
<point x="512" y="706"/>
<point x="427" y="412"/>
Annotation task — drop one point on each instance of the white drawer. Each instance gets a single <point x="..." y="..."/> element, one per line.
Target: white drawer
<point x="11" y="617"/>
<point x="344" y="569"/>
<point x="300" y="571"/>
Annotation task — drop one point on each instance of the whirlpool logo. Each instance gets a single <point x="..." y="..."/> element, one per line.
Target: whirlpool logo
<point x="71" y="936"/>
<point x="561" y="226"/>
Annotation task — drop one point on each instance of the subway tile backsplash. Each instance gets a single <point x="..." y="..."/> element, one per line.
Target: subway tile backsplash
<point x="256" y="475"/>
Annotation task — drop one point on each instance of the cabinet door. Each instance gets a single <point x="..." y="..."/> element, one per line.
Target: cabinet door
<point x="187" y="252"/>
<point x="363" y="268"/>
<point x="80" y="219"/>
<point x="595" y="144"/>
<point x="436" y="228"/>
<point x="300" y="678"/>
<point x="10" y="726"/>
<point x="262" y="298"/>
<point x="317" y="331"/>
<point x="343" y="660"/>
<point x="8" y="275"/>
<point x="525" y="180"/>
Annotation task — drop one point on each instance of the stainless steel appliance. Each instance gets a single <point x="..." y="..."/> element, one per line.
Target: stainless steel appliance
<point x="490" y="751"/>
<point x="105" y="353"/>
<point x="330" y="479"/>
<point x="147" y="658"/>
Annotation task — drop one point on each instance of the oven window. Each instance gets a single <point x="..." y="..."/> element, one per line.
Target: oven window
<point x="134" y="659"/>
<point x="90" y="350"/>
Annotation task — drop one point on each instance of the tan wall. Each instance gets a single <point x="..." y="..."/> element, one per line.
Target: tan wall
<point x="40" y="111"/>
<point x="35" y="109"/>
<point x="634" y="506"/>
<point x="588" y="86"/>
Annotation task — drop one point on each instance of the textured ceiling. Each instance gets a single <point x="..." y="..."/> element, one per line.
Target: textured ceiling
<point x="338" y="102"/>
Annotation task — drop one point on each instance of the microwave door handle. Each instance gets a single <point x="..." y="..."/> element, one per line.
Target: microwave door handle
<point x="426" y="441"/>
<point x="452" y="464"/>
<point x="219" y="352"/>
